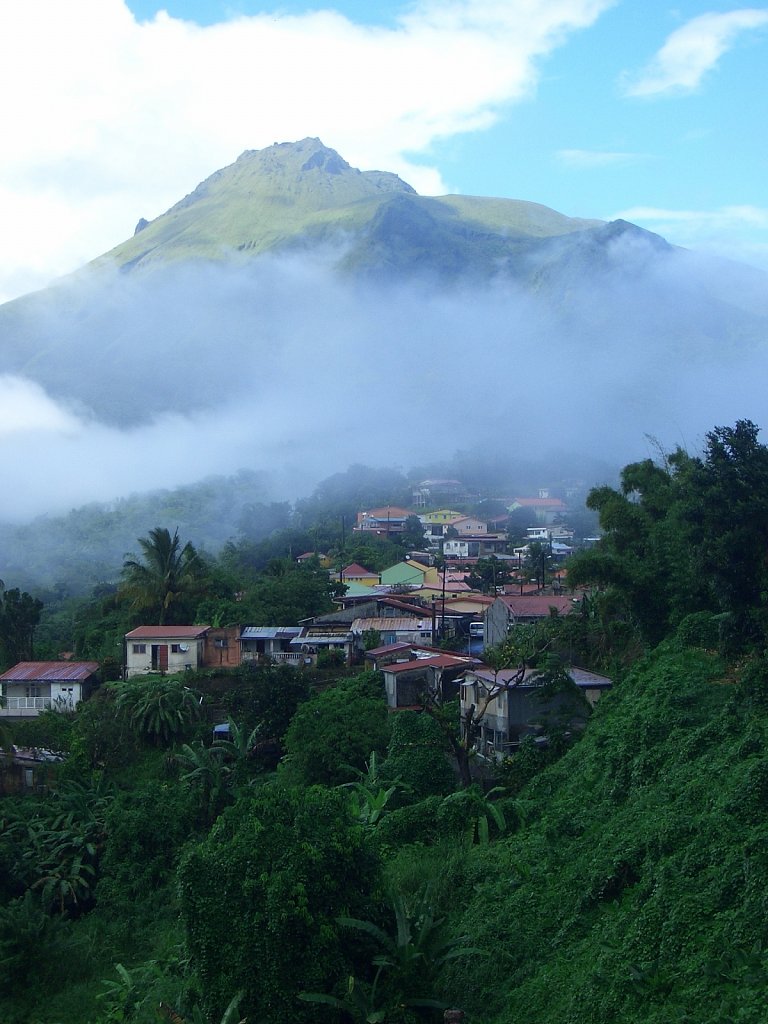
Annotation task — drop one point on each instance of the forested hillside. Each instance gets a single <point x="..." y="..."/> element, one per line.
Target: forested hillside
<point x="323" y="863"/>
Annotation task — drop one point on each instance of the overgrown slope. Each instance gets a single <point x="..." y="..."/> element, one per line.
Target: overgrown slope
<point x="636" y="891"/>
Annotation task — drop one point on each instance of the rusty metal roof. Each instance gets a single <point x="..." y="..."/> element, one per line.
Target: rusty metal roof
<point x="50" y="671"/>
<point x="536" y="605"/>
<point x="437" y="661"/>
<point x="393" y="623"/>
<point x="167" y="632"/>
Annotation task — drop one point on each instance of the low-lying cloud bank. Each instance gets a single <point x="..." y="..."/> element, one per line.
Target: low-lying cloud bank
<point x="120" y="382"/>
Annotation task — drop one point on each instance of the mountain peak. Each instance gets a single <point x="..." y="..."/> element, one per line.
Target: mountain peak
<point x="304" y="193"/>
<point x="308" y="160"/>
<point x="309" y="153"/>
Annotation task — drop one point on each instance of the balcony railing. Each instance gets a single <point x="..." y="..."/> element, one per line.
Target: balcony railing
<point x="278" y="658"/>
<point x="27" y="703"/>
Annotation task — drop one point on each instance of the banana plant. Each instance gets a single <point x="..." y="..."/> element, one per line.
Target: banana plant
<point x="204" y="770"/>
<point x="481" y="811"/>
<point x="369" y="796"/>
<point x="361" y="1000"/>
<point x="413" y="953"/>
<point x="237" y="749"/>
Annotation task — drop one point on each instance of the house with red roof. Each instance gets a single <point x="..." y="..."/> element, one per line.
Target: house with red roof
<point x="31" y="687"/>
<point x="164" y="649"/>
<point x="436" y="674"/>
<point x="512" y="610"/>
<point x="355" y="573"/>
<point x="544" y="507"/>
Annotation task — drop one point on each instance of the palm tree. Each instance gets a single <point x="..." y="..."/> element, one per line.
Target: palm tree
<point x="164" y="576"/>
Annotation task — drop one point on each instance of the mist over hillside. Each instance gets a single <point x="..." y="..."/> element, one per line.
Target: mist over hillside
<point x="393" y="338"/>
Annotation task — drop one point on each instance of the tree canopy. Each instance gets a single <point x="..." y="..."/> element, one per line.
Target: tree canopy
<point x="686" y="536"/>
<point x="19" y="615"/>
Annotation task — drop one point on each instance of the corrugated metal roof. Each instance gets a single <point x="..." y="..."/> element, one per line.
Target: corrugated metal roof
<point x="438" y="661"/>
<point x="167" y="632"/>
<point x="387" y="624"/>
<point x="387" y="512"/>
<point x="50" y="671"/>
<point x="322" y="638"/>
<point x="538" y="604"/>
<point x="269" y="632"/>
<point x="580" y="676"/>
<point x="387" y="649"/>
<point x="415" y="609"/>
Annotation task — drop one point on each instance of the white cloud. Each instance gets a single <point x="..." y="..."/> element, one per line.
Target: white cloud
<point x="106" y="119"/>
<point x="724" y="218"/>
<point x="590" y="159"/>
<point x="738" y="232"/>
<point x="29" y="411"/>
<point x="693" y="50"/>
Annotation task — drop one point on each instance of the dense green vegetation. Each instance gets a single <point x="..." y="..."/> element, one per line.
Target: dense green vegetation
<point x="323" y="863"/>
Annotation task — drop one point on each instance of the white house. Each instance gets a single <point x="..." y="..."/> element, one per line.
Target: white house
<point x="34" y="686"/>
<point x="164" y="649"/>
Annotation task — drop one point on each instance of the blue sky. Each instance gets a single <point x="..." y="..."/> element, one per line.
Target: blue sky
<point x="597" y="108"/>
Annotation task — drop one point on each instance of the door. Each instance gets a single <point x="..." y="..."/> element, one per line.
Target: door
<point x="160" y="657"/>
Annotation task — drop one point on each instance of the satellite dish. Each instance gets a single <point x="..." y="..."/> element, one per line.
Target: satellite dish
<point x="183" y="647"/>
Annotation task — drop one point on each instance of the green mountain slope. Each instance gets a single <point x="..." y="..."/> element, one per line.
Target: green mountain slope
<point x="302" y="191"/>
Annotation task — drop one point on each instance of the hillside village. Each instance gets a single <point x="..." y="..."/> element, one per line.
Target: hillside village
<point x="423" y="622"/>
<point x="418" y="766"/>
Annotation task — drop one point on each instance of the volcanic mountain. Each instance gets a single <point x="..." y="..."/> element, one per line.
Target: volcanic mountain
<point x="305" y="195"/>
<point x="290" y="273"/>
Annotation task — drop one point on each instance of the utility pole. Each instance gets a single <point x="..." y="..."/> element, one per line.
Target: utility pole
<point x="442" y="617"/>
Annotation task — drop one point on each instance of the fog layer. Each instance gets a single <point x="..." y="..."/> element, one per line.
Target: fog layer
<point x="119" y="382"/>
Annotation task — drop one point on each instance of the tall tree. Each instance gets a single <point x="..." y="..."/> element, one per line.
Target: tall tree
<point x="167" y="574"/>
<point x="19" y="615"/>
<point x="726" y="508"/>
<point x="686" y="536"/>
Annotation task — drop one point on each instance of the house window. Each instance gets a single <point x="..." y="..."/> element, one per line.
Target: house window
<point x="33" y="690"/>
<point x="139" y="648"/>
<point x="221" y="643"/>
<point x="175" y="648"/>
